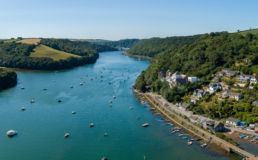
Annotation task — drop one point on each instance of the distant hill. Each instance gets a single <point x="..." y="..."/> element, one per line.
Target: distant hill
<point x="124" y="43"/>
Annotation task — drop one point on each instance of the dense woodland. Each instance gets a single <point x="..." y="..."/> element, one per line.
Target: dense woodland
<point x="7" y="78"/>
<point x="154" y="46"/>
<point x="81" y="48"/>
<point x="203" y="58"/>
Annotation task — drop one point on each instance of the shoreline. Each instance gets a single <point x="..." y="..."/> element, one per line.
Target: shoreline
<point x="212" y="140"/>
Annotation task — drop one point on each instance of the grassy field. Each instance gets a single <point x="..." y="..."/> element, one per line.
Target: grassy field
<point x="45" y="51"/>
<point x="34" y="41"/>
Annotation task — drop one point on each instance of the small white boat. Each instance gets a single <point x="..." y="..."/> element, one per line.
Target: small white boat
<point x="32" y="100"/>
<point x="174" y="131"/>
<point x="91" y="125"/>
<point x="11" y="133"/>
<point x="145" y="124"/>
<point x="189" y="142"/>
<point x="104" y="158"/>
<point x="105" y="134"/>
<point x="23" y="109"/>
<point x="180" y="134"/>
<point x="203" y="145"/>
<point x="73" y="112"/>
<point x="114" y="97"/>
<point x="66" y="135"/>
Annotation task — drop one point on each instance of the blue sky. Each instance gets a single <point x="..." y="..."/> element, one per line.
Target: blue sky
<point x="117" y="19"/>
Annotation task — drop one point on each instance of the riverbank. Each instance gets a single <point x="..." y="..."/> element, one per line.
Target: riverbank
<point x="8" y="78"/>
<point x="167" y="110"/>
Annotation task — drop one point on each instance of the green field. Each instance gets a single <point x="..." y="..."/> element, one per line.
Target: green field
<point x="34" y="41"/>
<point x="45" y="51"/>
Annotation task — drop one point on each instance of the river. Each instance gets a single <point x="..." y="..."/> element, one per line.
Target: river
<point x="41" y="127"/>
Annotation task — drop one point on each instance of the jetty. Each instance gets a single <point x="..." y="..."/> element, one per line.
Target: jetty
<point x="192" y="128"/>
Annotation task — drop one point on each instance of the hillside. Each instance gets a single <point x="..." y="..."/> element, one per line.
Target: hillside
<point x="48" y="54"/>
<point x="7" y="78"/>
<point x="203" y="59"/>
<point x="154" y="46"/>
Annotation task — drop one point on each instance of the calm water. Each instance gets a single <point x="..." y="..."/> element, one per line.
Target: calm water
<point x="42" y="126"/>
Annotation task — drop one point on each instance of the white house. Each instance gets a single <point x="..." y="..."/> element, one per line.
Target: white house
<point x="192" y="79"/>
<point x="176" y="78"/>
<point x="254" y="80"/>
<point x="244" y="78"/>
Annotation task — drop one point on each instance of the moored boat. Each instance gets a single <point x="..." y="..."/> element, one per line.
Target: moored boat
<point x="66" y="135"/>
<point x="145" y="124"/>
<point x="11" y="133"/>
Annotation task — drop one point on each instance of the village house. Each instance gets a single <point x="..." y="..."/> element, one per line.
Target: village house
<point x="229" y="72"/>
<point x="231" y="95"/>
<point x="253" y="80"/>
<point x="197" y="95"/>
<point x="214" y="87"/>
<point x="255" y="103"/>
<point x="193" y="79"/>
<point x="232" y="122"/>
<point x="194" y="119"/>
<point x="209" y="124"/>
<point x="235" y="96"/>
<point x="213" y="126"/>
<point x="252" y="126"/>
<point x="244" y="78"/>
<point x="176" y="79"/>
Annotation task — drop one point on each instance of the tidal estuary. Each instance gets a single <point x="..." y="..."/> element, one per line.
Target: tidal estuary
<point x="100" y="93"/>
